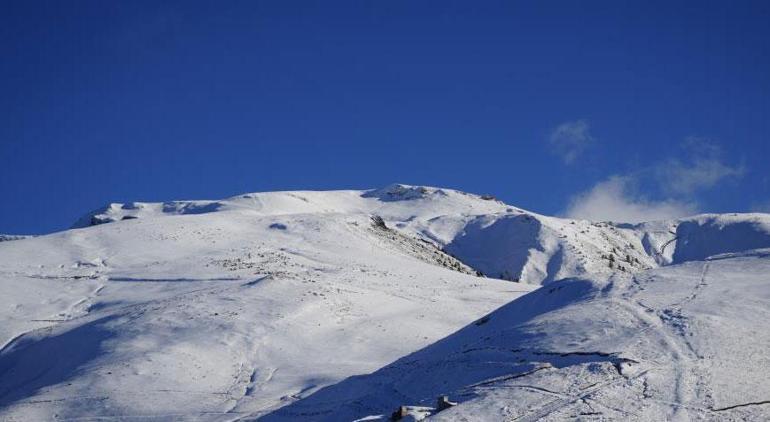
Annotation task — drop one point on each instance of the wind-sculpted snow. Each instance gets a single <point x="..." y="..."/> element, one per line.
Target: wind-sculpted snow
<point x="277" y="305"/>
<point x="118" y="212"/>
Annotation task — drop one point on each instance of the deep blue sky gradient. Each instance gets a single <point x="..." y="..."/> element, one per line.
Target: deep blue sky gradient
<point x="158" y="100"/>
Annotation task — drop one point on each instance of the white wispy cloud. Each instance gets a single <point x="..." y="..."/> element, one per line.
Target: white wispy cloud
<point x="570" y="139"/>
<point x="616" y="199"/>
<point x="703" y="169"/>
<point x="675" y="183"/>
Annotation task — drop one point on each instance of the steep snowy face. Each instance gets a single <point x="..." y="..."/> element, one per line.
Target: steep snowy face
<point x="685" y="342"/>
<point x="514" y="242"/>
<point x="534" y="249"/>
<point x="701" y="236"/>
<point x="707" y="235"/>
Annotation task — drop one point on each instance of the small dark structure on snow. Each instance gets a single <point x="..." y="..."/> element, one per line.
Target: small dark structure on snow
<point x="443" y="403"/>
<point x="399" y="414"/>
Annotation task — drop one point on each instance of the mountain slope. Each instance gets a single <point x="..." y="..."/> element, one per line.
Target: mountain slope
<point x="261" y="304"/>
<point x="217" y="315"/>
<point x="679" y="343"/>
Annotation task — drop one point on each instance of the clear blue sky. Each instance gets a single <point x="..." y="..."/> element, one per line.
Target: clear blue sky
<point x="534" y="102"/>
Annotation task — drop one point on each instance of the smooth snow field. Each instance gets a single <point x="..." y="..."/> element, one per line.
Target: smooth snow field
<point x="347" y="305"/>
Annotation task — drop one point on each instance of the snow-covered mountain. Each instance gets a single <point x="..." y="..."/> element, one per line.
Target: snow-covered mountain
<point x="343" y="305"/>
<point x="496" y="239"/>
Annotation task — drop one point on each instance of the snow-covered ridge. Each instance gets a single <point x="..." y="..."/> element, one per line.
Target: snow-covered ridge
<point x="495" y="239"/>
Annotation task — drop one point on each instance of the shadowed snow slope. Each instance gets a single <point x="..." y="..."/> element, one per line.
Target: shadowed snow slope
<point x="706" y="235"/>
<point x="277" y="304"/>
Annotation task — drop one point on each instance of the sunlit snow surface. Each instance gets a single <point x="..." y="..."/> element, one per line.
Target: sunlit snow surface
<point x="687" y="342"/>
<point x="294" y="306"/>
